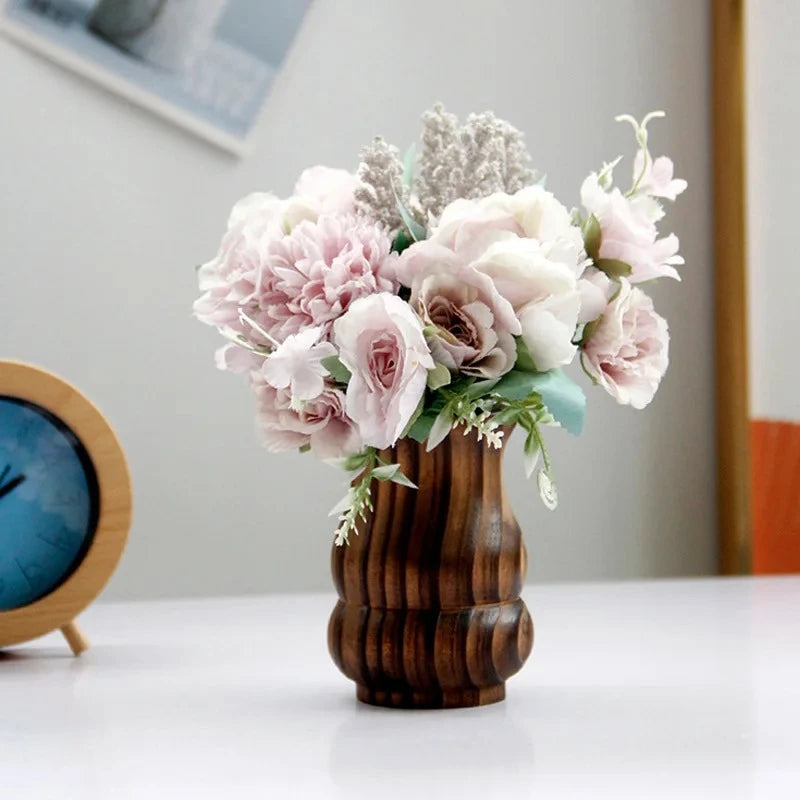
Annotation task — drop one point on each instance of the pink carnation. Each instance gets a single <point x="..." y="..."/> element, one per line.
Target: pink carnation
<point x="627" y="348"/>
<point x="286" y="282"/>
<point x="629" y="232"/>
<point x="320" y="423"/>
<point x="311" y="276"/>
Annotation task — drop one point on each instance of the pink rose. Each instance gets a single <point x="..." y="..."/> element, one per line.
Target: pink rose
<point x="320" y="423"/>
<point x="627" y="348"/>
<point x="474" y="326"/>
<point x="527" y="245"/>
<point x="629" y="232"/>
<point x="381" y="342"/>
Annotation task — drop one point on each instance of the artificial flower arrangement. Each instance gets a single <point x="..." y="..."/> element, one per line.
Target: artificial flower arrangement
<point x="444" y="291"/>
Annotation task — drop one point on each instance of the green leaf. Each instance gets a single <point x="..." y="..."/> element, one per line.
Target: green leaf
<point x="355" y="462"/>
<point x="524" y="357"/>
<point x="304" y="448"/>
<point x="414" y="228"/>
<point x="613" y="267"/>
<point x="402" y="480"/>
<point x="438" y="376"/>
<point x="337" y="370"/>
<point x="386" y="472"/>
<point x="508" y="416"/>
<point x="441" y="427"/>
<point x="409" y="162"/>
<point x="480" y="388"/>
<point x="401" y="242"/>
<point x="531" y="452"/>
<point x="592" y="237"/>
<point x="422" y="425"/>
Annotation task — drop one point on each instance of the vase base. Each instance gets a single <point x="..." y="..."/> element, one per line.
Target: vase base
<point x="458" y="698"/>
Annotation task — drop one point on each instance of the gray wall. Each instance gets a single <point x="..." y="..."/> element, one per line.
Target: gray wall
<point x="106" y="210"/>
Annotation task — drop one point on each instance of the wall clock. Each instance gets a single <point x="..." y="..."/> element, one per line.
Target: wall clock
<point x="65" y="505"/>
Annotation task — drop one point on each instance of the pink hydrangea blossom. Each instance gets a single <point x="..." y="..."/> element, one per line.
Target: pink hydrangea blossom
<point x="627" y="349"/>
<point x="232" y="282"/>
<point x="321" y="423"/>
<point x="381" y="342"/>
<point x="311" y="276"/>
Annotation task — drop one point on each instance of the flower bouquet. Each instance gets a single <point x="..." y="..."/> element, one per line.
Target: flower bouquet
<point x="376" y="313"/>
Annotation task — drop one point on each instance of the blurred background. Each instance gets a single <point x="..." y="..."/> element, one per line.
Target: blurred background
<point x="107" y="210"/>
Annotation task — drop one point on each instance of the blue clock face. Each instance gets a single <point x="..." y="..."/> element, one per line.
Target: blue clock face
<point x="49" y="502"/>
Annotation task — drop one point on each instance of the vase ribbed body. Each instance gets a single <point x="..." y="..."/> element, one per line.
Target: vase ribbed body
<point x="429" y="612"/>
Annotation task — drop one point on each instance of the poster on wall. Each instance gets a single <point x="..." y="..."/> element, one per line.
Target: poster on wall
<point x="206" y="65"/>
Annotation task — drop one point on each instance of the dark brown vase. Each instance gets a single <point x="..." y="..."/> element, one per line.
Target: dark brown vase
<point x="429" y="613"/>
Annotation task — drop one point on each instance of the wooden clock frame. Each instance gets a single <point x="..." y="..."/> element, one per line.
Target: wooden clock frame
<point x="59" y="608"/>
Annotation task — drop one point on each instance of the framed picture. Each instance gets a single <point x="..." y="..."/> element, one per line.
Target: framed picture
<point x="206" y="65"/>
<point x="756" y="105"/>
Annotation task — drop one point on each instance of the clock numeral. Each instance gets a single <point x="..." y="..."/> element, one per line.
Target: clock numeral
<point x="33" y="573"/>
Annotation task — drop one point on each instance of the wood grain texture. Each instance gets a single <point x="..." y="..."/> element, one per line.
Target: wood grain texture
<point x="75" y="637"/>
<point x="730" y="248"/>
<point x="59" y="608"/>
<point x="429" y="614"/>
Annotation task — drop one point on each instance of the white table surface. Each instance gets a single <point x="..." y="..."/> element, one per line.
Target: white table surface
<point x="665" y="689"/>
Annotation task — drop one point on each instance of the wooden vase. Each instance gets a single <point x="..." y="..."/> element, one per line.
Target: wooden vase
<point x="429" y="612"/>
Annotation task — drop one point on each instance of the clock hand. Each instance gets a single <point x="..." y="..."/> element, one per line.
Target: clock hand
<point x="11" y="485"/>
<point x="5" y="472"/>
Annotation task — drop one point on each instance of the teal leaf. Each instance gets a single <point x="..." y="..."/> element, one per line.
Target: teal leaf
<point x="336" y="369"/>
<point x="563" y="398"/>
<point x="516" y="385"/>
<point x="414" y="228"/>
<point x="409" y="161"/>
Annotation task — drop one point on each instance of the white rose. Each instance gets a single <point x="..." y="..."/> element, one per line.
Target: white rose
<point x="543" y="290"/>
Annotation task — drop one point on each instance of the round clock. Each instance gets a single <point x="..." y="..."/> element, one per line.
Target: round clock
<point x="65" y="504"/>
